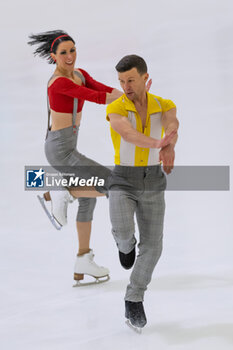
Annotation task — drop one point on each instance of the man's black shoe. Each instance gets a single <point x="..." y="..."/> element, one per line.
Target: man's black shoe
<point x="127" y="260"/>
<point x="134" y="312"/>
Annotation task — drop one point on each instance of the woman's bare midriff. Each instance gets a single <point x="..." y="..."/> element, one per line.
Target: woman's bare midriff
<point x="63" y="120"/>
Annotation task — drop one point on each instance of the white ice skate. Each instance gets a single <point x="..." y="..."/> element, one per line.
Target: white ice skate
<point x="85" y="265"/>
<point x="59" y="203"/>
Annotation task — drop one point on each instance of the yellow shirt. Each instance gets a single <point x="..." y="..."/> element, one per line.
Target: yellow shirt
<point x="127" y="153"/>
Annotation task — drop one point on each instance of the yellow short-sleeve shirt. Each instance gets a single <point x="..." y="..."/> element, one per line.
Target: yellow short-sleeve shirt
<point x="127" y="153"/>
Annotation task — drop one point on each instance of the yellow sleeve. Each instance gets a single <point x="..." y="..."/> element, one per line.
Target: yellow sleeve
<point x="166" y="104"/>
<point x="116" y="107"/>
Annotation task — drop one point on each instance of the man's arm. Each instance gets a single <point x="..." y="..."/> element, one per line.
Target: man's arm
<point x="124" y="128"/>
<point x="167" y="153"/>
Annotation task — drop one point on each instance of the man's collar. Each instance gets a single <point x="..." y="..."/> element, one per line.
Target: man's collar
<point x="128" y="104"/>
<point x="152" y="104"/>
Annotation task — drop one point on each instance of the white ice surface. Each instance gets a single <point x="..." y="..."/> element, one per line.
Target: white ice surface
<point x="189" y="303"/>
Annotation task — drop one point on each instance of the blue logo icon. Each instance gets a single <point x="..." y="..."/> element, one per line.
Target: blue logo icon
<point x="35" y="178"/>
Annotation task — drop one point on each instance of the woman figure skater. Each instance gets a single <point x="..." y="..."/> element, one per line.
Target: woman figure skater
<point x="68" y="88"/>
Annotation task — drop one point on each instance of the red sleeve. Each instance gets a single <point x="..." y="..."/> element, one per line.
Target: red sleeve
<point x="93" y="84"/>
<point x="67" y="87"/>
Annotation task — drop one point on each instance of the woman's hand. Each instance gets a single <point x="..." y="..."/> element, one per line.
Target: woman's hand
<point x="165" y="141"/>
<point x="114" y="95"/>
<point x="148" y="85"/>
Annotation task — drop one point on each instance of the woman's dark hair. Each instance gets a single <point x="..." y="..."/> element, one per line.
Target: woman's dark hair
<point x="132" y="61"/>
<point x="46" y="42"/>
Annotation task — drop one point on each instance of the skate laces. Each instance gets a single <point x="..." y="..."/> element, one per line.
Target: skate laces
<point x="71" y="199"/>
<point x="92" y="255"/>
<point x="68" y="198"/>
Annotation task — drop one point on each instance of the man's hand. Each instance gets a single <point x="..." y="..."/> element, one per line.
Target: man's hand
<point x="167" y="156"/>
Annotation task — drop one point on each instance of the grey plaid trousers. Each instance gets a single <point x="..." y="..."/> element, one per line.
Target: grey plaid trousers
<point x="140" y="191"/>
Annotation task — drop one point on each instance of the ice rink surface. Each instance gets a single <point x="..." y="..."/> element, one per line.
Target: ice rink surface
<point x="189" y="304"/>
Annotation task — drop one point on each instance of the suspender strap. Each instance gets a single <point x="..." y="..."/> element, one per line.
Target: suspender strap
<point x="48" y="108"/>
<point x="80" y="76"/>
<point x="75" y="108"/>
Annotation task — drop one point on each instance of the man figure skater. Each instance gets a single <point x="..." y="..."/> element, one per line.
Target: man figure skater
<point x="138" y="120"/>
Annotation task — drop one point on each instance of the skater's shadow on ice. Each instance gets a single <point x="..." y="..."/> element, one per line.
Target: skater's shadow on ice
<point x="176" y="282"/>
<point x="176" y="334"/>
<point x="180" y="282"/>
<point x="109" y="286"/>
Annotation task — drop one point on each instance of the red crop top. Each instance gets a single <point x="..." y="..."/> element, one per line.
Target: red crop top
<point x="63" y="91"/>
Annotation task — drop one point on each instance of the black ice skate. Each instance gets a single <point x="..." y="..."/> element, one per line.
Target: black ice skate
<point x="127" y="260"/>
<point x="135" y="314"/>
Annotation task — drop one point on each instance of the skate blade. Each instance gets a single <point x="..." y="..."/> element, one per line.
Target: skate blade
<point x="135" y="329"/>
<point x="98" y="280"/>
<point x="50" y="216"/>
